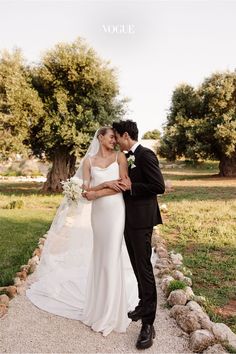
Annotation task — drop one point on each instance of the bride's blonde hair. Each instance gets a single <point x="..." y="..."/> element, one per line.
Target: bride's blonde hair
<point x="103" y="130"/>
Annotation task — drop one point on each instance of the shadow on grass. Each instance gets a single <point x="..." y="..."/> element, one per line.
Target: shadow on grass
<point x="180" y="176"/>
<point x="25" y="188"/>
<point x="197" y="193"/>
<point x="18" y="239"/>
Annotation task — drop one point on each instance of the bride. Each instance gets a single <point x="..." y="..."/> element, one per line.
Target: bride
<point x="84" y="271"/>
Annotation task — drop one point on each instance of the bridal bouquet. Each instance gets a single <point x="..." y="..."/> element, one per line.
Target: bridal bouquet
<point x="72" y="189"/>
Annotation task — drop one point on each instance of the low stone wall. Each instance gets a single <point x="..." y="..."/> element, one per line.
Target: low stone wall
<point x="205" y="336"/>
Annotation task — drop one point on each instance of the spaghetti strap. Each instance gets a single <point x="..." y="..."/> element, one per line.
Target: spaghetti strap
<point x="90" y="162"/>
<point x="117" y="155"/>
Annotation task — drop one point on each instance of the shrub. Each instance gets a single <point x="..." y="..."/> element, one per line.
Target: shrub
<point x="175" y="285"/>
<point x="15" y="204"/>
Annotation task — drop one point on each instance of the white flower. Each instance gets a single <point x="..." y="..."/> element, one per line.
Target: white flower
<point x="72" y="189"/>
<point x="131" y="161"/>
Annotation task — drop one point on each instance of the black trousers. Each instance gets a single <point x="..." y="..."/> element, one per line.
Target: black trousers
<point x="138" y="242"/>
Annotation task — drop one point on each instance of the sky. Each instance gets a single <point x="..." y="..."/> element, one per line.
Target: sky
<point x="165" y="42"/>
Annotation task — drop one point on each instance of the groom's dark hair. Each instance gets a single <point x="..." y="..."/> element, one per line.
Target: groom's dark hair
<point x="126" y="126"/>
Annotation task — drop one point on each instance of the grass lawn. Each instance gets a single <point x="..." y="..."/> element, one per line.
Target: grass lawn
<point x="201" y="225"/>
<point x="20" y="229"/>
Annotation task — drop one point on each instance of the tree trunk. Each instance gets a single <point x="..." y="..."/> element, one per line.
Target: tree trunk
<point x="227" y="166"/>
<point x="63" y="167"/>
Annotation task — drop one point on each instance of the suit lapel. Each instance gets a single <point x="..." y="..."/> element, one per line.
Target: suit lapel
<point x="136" y="153"/>
<point x="137" y="150"/>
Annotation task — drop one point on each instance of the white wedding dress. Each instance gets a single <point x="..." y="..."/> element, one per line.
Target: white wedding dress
<point x="90" y="277"/>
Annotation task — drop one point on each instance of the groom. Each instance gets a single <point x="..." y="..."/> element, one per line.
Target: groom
<point x="145" y="181"/>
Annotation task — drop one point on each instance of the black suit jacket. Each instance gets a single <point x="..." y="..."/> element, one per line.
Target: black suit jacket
<point x="142" y="210"/>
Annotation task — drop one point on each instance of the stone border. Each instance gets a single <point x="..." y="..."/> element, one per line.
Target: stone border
<point x="205" y="336"/>
<point x="20" y="278"/>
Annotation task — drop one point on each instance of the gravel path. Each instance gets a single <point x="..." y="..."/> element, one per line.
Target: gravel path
<point x="27" y="329"/>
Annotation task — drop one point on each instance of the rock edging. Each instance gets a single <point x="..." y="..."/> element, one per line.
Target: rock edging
<point x="205" y="336"/>
<point x="10" y="291"/>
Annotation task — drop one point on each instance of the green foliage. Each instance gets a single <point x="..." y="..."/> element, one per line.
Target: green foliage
<point x="19" y="104"/>
<point x="152" y="134"/>
<point x="58" y="104"/>
<point x="15" y="204"/>
<point x="79" y="93"/>
<point x="175" y="285"/>
<point x="11" y="173"/>
<point x="202" y="122"/>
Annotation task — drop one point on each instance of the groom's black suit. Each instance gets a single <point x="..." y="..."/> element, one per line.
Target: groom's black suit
<point x="142" y="213"/>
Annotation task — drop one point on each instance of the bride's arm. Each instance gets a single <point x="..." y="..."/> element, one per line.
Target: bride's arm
<point x="123" y="166"/>
<point x="86" y="174"/>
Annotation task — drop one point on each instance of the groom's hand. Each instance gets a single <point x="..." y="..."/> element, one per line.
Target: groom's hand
<point x="125" y="184"/>
<point x="114" y="185"/>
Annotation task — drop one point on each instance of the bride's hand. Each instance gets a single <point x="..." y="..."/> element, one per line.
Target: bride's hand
<point x="85" y="186"/>
<point x="90" y="195"/>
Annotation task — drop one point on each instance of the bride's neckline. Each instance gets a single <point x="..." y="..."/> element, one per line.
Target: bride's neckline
<point x="104" y="168"/>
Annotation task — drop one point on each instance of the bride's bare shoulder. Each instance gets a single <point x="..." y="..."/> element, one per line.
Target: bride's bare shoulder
<point x="121" y="156"/>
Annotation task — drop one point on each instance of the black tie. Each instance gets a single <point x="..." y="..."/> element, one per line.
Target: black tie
<point x="129" y="153"/>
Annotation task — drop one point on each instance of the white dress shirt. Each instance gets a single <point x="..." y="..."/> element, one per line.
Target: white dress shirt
<point x="134" y="147"/>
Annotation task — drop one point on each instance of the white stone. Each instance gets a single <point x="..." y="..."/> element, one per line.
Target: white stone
<point x="189" y="292"/>
<point x="176" y="258"/>
<point x="33" y="260"/>
<point x="41" y="241"/>
<point x="215" y="349"/>
<point x="4" y="299"/>
<point x="200" y="340"/>
<point x="224" y="334"/>
<point x="165" y="282"/>
<point x="187" y="281"/>
<point x="194" y="306"/>
<point x="199" y="299"/>
<point x="188" y="321"/>
<point x="203" y="318"/>
<point x="162" y="252"/>
<point x="178" y="275"/>
<point x="178" y="310"/>
<point x="163" y="208"/>
<point x="162" y="263"/>
<point x="24" y="267"/>
<point x="17" y="281"/>
<point x="177" y="297"/>
<point x="20" y="290"/>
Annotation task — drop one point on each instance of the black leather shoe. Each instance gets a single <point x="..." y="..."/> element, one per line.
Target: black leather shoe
<point x="136" y="314"/>
<point x="146" y="336"/>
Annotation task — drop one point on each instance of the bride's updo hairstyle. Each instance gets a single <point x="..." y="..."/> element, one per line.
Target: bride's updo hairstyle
<point x="103" y="131"/>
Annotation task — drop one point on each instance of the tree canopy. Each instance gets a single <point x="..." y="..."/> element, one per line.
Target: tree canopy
<point x="20" y="104"/>
<point x="202" y="122"/>
<point x="152" y="134"/>
<point x="53" y="108"/>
